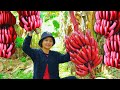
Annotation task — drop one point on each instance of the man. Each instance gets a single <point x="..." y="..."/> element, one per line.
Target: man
<point x="46" y="62"/>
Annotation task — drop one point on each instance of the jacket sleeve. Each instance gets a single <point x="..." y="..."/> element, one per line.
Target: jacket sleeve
<point x="27" y="49"/>
<point x="64" y="57"/>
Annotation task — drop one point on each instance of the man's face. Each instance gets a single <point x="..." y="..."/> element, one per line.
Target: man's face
<point x="47" y="43"/>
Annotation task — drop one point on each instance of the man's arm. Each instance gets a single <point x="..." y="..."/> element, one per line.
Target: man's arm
<point x="64" y="57"/>
<point x="26" y="46"/>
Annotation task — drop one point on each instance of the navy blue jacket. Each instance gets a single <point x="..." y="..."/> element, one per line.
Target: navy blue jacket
<point x="40" y="60"/>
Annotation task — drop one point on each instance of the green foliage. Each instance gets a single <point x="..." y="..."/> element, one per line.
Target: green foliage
<point x="52" y="16"/>
<point x="94" y="34"/>
<point x="23" y="59"/>
<point x="1" y="75"/>
<point x="63" y="67"/>
<point x="4" y="76"/>
<point x="19" y="74"/>
<point x="55" y="34"/>
<point x="19" y="42"/>
<point x="101" y="74"/>
<point x="64" y="71"/>
<point x="11" y="62"/>
<point x="42" y="14"/>
<point x="56" y="24"/>
<point x="66" y="16"/>
<point x="48" y="15"/>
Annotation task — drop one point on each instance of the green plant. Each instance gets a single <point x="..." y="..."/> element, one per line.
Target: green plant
<point x="19" y="74"/>
<point x="11" y="62"/>
<point x="23" y="59"/>
<point x="1" y="76"/>
<point x="19" y="42"/>
<point x="46" y="16"/>
<point x="101" y="74"/>
<point x="56" y="24"/>
<point x="4" y="76"/>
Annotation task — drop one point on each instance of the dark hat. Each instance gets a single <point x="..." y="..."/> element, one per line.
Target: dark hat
<point x="45" y="35"/>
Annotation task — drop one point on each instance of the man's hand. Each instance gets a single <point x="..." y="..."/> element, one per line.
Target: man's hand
<point x="30" y="33"/>
<point x="37" y="31"/>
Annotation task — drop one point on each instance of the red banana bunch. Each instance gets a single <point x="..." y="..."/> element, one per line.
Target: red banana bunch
<point x="30" y="20"/>
<point x="83" y="50"/>
<point x="7" y="50"/>
<point x="7" y="18"/>
<point x="7" y="34"/>
<point x="7" y="38"/>
<point x="112" y="51"/>
<point x="107" y="22"/>
<point x="107" y="15"/>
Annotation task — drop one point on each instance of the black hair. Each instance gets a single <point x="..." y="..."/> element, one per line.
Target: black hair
<point x="40" y="42"/>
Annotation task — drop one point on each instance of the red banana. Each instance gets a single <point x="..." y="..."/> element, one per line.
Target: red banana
<point x="10" y="47"/>
<point x="81" y="72"/>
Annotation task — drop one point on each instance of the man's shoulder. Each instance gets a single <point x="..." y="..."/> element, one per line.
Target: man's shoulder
<point x="36" y="49"/>
<point x="55" y="52"/>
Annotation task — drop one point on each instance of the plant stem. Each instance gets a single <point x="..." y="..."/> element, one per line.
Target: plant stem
<point x="92" y="75"/>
